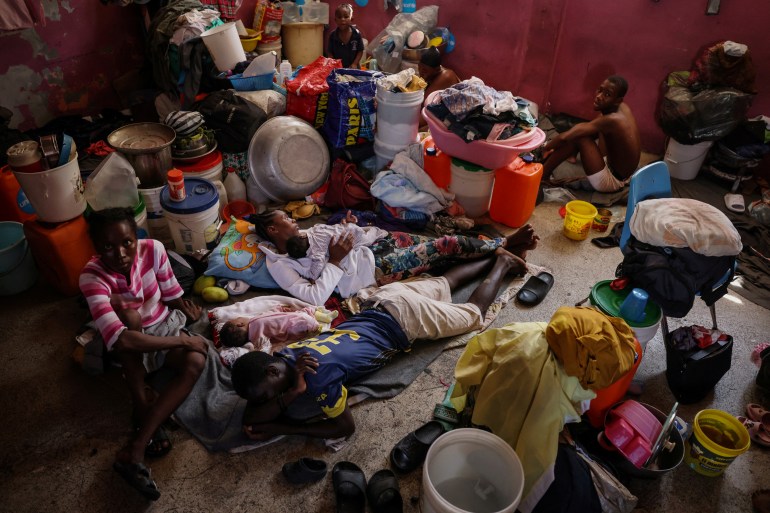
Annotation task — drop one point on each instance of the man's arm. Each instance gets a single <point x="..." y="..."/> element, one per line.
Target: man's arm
<point x="587" y="129"/>
<point x="340" y="426"/>
<point x="130" y="340"/>
<point x="187" y="307"/>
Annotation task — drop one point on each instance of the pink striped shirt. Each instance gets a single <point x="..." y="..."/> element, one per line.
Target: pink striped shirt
<point x="152" y="283"/>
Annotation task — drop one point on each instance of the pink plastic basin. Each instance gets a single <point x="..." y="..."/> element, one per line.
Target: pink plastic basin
<point x="632" y="429"/>
<point x="491" y="155"/>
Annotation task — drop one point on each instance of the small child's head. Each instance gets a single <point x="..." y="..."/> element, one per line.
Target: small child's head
<point x="235" y="332"/>
<point x="297" y="246"/>
<point x="343" y="15"/>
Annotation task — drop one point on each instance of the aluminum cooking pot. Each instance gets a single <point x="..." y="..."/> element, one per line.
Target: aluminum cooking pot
<point x="147" y="146"/>
<point x="288" y="159"/>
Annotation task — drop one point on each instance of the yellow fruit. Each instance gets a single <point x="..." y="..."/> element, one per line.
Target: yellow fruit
<point x="215" y="294"/>
<point x="202" y="282"/>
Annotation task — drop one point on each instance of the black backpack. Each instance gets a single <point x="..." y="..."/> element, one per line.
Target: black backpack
<point x="673" y="276"/>
<point x="233" y="119"/>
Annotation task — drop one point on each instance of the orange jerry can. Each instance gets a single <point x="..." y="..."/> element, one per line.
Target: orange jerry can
<point x="515" y="193"/>
<point x="60" y="251"/>
<point x="437" y="164"/>
<point x="14" y="205"/>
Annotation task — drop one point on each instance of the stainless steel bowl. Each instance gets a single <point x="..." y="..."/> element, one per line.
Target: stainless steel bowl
<point x="288" y="159"/>
<point x="147" y="146"/>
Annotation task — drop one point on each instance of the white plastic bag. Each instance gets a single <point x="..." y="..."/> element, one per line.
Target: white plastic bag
<point x="112" y="184"/>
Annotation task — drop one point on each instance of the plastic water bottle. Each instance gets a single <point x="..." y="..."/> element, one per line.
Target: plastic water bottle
<point x="236" y="189"/>
<point x="284" y="70"/>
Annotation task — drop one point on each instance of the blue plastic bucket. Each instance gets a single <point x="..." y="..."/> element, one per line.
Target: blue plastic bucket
<point x="17" y="268"/>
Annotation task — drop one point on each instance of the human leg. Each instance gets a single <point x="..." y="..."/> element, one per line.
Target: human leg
<point x="505" y="263"/>
<point x="557" y="156"/>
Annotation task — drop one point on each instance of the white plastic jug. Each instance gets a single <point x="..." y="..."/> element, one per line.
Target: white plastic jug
<point x="112" y="184"/>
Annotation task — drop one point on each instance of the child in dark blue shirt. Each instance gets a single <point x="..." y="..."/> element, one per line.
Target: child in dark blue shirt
<point x="345" y="42"/>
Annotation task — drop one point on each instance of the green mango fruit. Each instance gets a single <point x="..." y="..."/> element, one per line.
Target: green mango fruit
<point x="215" y="295"/>
<point x="202" y="282"/>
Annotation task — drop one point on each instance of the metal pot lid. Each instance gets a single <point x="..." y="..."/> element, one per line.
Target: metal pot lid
<point x="288" y="159"/>
<point x="139" y="138"/>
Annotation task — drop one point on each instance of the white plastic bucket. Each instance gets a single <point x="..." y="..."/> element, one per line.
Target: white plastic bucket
<point x="193" y="222"/>
<point x="385" y="152"/>
<point x="275" y="46"/>
<point x="56" y="194"/>
<point x="224" y="45"/>
<point x="302" y="42"/>
<point x="398" y="117"/>
<point x="213" y="173"/>
<point x="471" y="470"/>
<point x="157" y="226"/>
<point x="472" y="189"/>
<point x="17" y="267"/>
<point x="685" y="160"/>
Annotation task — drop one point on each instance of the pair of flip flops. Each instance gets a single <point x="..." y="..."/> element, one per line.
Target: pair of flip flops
<point x="351" y="490"/>
<point x="757" y="423"/>
<point x="159" y="445"/>
<point x="304" y="470"/>
<point x="535" y="289"/>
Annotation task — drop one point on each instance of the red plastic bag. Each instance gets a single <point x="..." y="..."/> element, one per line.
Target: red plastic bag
<point x="307" y="95"/>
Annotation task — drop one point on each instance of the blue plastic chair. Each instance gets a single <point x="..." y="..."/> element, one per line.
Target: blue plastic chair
<point x="650" y="182"/>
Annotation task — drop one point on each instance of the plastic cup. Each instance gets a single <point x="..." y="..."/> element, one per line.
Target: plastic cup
<point x="632" y="308"/>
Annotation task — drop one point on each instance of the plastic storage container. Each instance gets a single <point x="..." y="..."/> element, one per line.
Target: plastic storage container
<point x="157" y="226"/>
<point x="685" y="160"/>
<point x="472" y="186"/>
<point x="284" y="72"/>
<point x="273" y="46"/>
<point x="60" y="251"/>
<point x="579" y="218"/>
<point x="290" y="13"/>
<point x="398" y="117"/>
<point x="17" y="267"/>
<point x="515" y="193"/>
<point x="224" y="45"/>
<point x="436" y="163"/>
<point x="56" y="194"/>
<point x="14" y="205"/>
<point x="302" y="42"/>
<point x="609" y="302"/>
<point x="209" y="167"/>
<point x="471" y="470"/>
<point x="606" y="397"/>
<point x="193" y="222"/>
<point x="236" y="189"/>
<point x="316" y="12"/>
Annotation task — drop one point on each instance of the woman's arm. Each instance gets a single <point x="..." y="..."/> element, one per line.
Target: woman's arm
<point x="313" y="292"/>
<point x="136" y="341"/>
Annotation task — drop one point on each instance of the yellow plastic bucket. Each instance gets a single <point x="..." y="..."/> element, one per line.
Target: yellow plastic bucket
<point x="577" y="222"/>
<point x="717" y="439"/>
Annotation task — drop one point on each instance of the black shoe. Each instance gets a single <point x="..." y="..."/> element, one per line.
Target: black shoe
<point x="304" y="470"/>
<point x="410" y="451"/>
<point x="763" y="376"/>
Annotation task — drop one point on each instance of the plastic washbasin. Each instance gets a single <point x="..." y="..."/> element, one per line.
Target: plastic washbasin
<point x="491" y="155"/>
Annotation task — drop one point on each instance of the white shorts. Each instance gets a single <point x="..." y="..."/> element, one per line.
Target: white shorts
<point x="605" y="181"/>
<point x="423" y="308"/>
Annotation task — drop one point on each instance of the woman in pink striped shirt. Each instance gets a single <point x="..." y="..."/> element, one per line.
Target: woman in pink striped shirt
<point x="137" y="306"/>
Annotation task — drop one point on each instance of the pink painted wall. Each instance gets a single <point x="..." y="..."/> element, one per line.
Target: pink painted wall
<point x="68" y="65"/>
<point x="553" y="52"/>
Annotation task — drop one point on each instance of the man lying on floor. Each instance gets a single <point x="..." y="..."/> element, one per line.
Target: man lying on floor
<point x="309" y="378"/>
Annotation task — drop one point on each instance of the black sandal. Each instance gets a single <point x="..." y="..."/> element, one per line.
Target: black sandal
<point x="139" y="477"/>
<point x="159" y="445"/>
<point x="383" y="493"/>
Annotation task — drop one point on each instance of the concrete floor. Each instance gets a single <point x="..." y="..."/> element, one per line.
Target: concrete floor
<point x="63" y="427"/>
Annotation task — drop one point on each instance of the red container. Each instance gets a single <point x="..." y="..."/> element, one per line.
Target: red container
<point x="176" y="190"/>
<point x="436" y="163"/>
<point x="607" y="397"/>
<point x="60" y="251"/>
<point x="14" y="205"/>
<point x="25" y="157"/>
<point x="515" y="193"/>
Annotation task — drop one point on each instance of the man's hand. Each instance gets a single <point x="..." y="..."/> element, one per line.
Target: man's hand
<point x="339" y="249"/>
<point x="305" y="364"/>
<point x="252" y="431"/>
<point x="194" y="343"/>
<point x="191" y="310"/>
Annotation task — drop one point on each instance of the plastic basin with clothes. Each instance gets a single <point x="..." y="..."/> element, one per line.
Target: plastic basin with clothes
<point x="491" y="155"/>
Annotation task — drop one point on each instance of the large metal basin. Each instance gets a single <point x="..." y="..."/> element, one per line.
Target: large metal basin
<point x="288" y="159"/>
<point x="147" y="146"/>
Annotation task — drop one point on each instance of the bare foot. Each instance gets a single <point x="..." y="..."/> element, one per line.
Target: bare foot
<point x="760" y="500"/>
<point x="572" y="159"/>
<point x="522" y="241"/>
<point x="513" y="263"/>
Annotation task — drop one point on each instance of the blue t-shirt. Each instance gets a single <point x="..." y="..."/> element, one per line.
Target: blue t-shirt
<point x="354" y="349"/>
<point x="346" y="52"/>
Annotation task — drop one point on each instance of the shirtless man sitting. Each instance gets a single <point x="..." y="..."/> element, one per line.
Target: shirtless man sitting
<point x="609" y="146"/>
<point x="437" y="76"/>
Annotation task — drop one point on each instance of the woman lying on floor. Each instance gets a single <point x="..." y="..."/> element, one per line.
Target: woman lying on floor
<point x="386" y="258"/>
<point x="137" y="306"/>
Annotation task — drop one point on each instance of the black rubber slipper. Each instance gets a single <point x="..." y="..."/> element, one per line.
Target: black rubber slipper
<point x="304" y="470"/>
<point x="410" y="451"/>
<point x="159" y="445"/>
<point x="535" y="289"/>
<point x="139" y="477"/>
<point x="349" y="487"/>
<point x="383" y="493"/>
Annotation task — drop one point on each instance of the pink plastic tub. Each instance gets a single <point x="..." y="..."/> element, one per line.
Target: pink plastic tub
<point x="491" y="155"/>
<point x="632" y="429"/>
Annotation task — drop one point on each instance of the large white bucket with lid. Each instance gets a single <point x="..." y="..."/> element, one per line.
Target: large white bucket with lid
<point x="471" y="470"/>
<point x="224" y="45"/>
<point x="193" y="222"/>
<point x="472" y="186"/>
<point x="384" y="153"/>
<point x="56" y="194"/>
<point x="685" y="160"/>
<point x="302" y="42"/>
<point x="398" y="117"/>
<point x="17" y="267"/>
<point x="140" y="216"/>
<point x="157" y="226"/>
